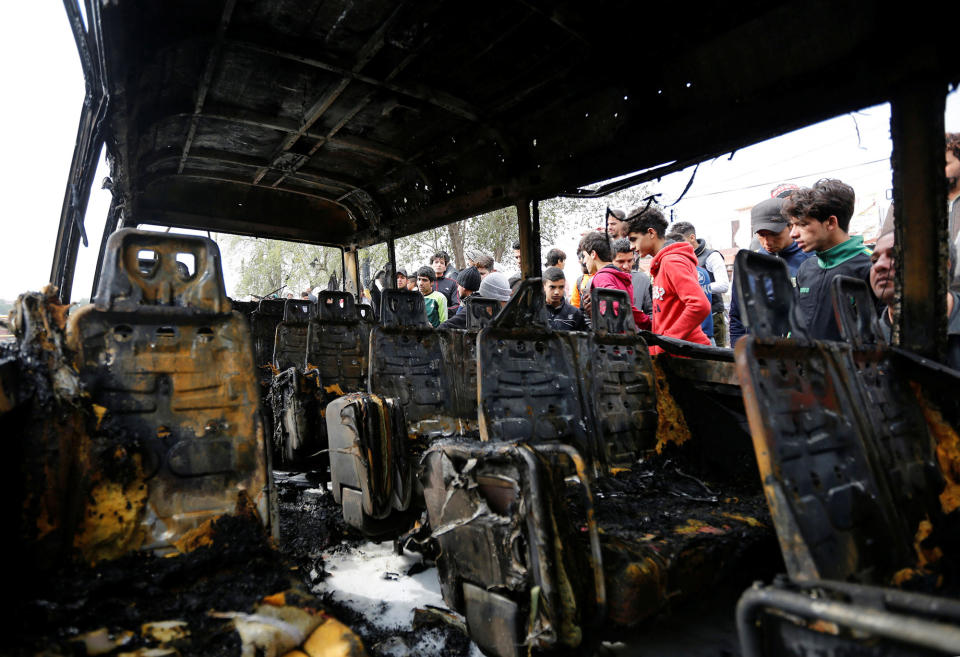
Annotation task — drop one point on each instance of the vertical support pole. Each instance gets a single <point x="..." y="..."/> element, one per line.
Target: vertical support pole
<point x="919" y="199"/>
<point x="392" y="253"/>
<point x="351" y="272"/>
<point x="529" y="239"/>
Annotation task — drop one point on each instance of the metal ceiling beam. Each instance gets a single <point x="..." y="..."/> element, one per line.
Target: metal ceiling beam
<point x="430" y="96"/>
<point x="348" y="143"/>
<point x="210" y="155"/>
<point x="200" y="175"/>
<point x="326" y="100"/>
<point x="212" y="58"/>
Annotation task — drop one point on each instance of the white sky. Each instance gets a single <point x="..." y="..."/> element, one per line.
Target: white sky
<point x="44" y="83"/>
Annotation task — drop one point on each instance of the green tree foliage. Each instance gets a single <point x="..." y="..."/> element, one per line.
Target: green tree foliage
<point x="268" y="266"/>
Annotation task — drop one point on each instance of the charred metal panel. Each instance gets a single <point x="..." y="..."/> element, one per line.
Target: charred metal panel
<point x="263" y="329"/>
<point x="623" y="392"/>
<point x="504" y="544"/>
<point x="337" y="344"/>
<point x="370" y="464"/>
<point x="831" y="505"/>
<point x="528" y="386"/>
<point x="480" y="311"/>
<point x="290" y="344"/>
<point x="766" y="295"/>
<point x="406" y="360"/>
<point x="170" y="373"/>
<point x="837" y="618"/>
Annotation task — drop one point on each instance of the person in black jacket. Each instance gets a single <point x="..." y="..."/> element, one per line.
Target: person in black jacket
<point x="445" y="286"/>
<point x="560" y="314"/>
<point x="468" y="282"/>
<point x="819" y="217"/>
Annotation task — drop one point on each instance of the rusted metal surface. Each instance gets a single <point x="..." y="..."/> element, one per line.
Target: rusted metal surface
<point x="172" y="371"/>
<point x="922" y="276"/>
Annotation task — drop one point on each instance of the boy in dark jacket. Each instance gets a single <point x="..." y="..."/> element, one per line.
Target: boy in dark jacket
<point x="679" y="304"/>
<point x="819" y="217"/>
<point x="560" y="314"/>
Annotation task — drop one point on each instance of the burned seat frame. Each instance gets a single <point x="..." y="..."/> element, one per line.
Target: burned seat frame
<point x="845" y="455"/>
<point x="170" y="373"/>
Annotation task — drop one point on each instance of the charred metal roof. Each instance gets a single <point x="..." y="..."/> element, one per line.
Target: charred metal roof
<point x="351" y="121"/>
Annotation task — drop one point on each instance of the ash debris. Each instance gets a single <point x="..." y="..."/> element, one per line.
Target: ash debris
<point x="311" y="523"/>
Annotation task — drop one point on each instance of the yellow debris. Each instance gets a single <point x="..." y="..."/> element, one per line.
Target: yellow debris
<point x="335" y="388"/>
<point x="753" y="522"/>
<point x="99" y="411"/>
<point x="333" y="639"/>
<point x="164" y="631"/>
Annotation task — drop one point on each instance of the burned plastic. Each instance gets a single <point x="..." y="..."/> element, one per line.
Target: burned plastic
<point x="623" y="391"/>
<point x="418" y="389"/>
<point x="528" y="383"/>
<point x="766" y="296"/>
<point x="504" y="559"/>
<point x="338" y="341"/>
<point x="298" y="432"/>
<point x="480" y="311"/>
<point x="263" y="330"/>
<point x="176" y="435"/>
<point x="855" y="310"/>
<point x="370" y="465"/>
<point x="845" y="456"/>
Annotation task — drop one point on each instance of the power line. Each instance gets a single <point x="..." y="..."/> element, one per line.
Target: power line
<point x="780" y="180"/>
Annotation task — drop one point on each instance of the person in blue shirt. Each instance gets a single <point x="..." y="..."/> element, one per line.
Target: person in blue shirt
<point x="773" y="233"/>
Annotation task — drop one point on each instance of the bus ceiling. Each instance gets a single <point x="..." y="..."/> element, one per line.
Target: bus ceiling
<point x="354" y="122"/>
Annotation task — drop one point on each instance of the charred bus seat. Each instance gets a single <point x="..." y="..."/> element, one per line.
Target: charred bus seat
<point x="170" y="373"/>
<point x="338" y="342"/>
<point x="263" y="330"/>
<point x="668" y="528"/>
<point x="623" y="391"/>
<point x="848" y="465"/>
<point x="418" y="392"/>
<point x="529" y="387"/>
<point x="504" y="559"/>
<point x="297" y="429"/>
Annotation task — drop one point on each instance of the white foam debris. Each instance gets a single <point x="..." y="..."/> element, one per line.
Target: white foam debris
<point x="372" y="580"/>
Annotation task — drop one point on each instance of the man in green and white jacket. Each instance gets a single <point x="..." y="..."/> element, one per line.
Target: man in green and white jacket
<point x="819" y="218"/>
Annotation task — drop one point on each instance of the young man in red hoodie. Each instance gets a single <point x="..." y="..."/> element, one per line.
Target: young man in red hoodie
<point x="598" y="259"/>
<point x="679" y="305"/>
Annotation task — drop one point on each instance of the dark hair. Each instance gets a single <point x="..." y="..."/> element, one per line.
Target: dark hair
<point x="554" y="256"/>
<point x="641" y="219"/>
<point x="553" y="274"/>
<point x="827" y="197"/>
<point x="514" y="282"/>
<point x="596" y="241"/>
<point x="485" y="261"/>
<point x="427" y="272"/>
<point x="684" y="228"/>
<point x="438" y="255"/>
<point x="516" y="245"/>
<point x="953" y="143"/>
<point x="621" y="245"/>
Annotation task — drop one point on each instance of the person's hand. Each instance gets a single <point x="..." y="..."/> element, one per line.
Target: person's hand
<point x="585" y="302"/>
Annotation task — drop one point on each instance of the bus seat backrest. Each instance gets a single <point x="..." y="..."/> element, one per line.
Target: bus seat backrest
<point x="143" y="268"/>
<point x="177" y="384"/>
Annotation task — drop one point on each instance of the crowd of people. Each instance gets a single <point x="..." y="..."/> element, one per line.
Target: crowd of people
<point x="683" y="295"/>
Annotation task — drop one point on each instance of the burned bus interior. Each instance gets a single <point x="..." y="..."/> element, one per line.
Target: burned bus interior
<point x="571" y="488"/>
